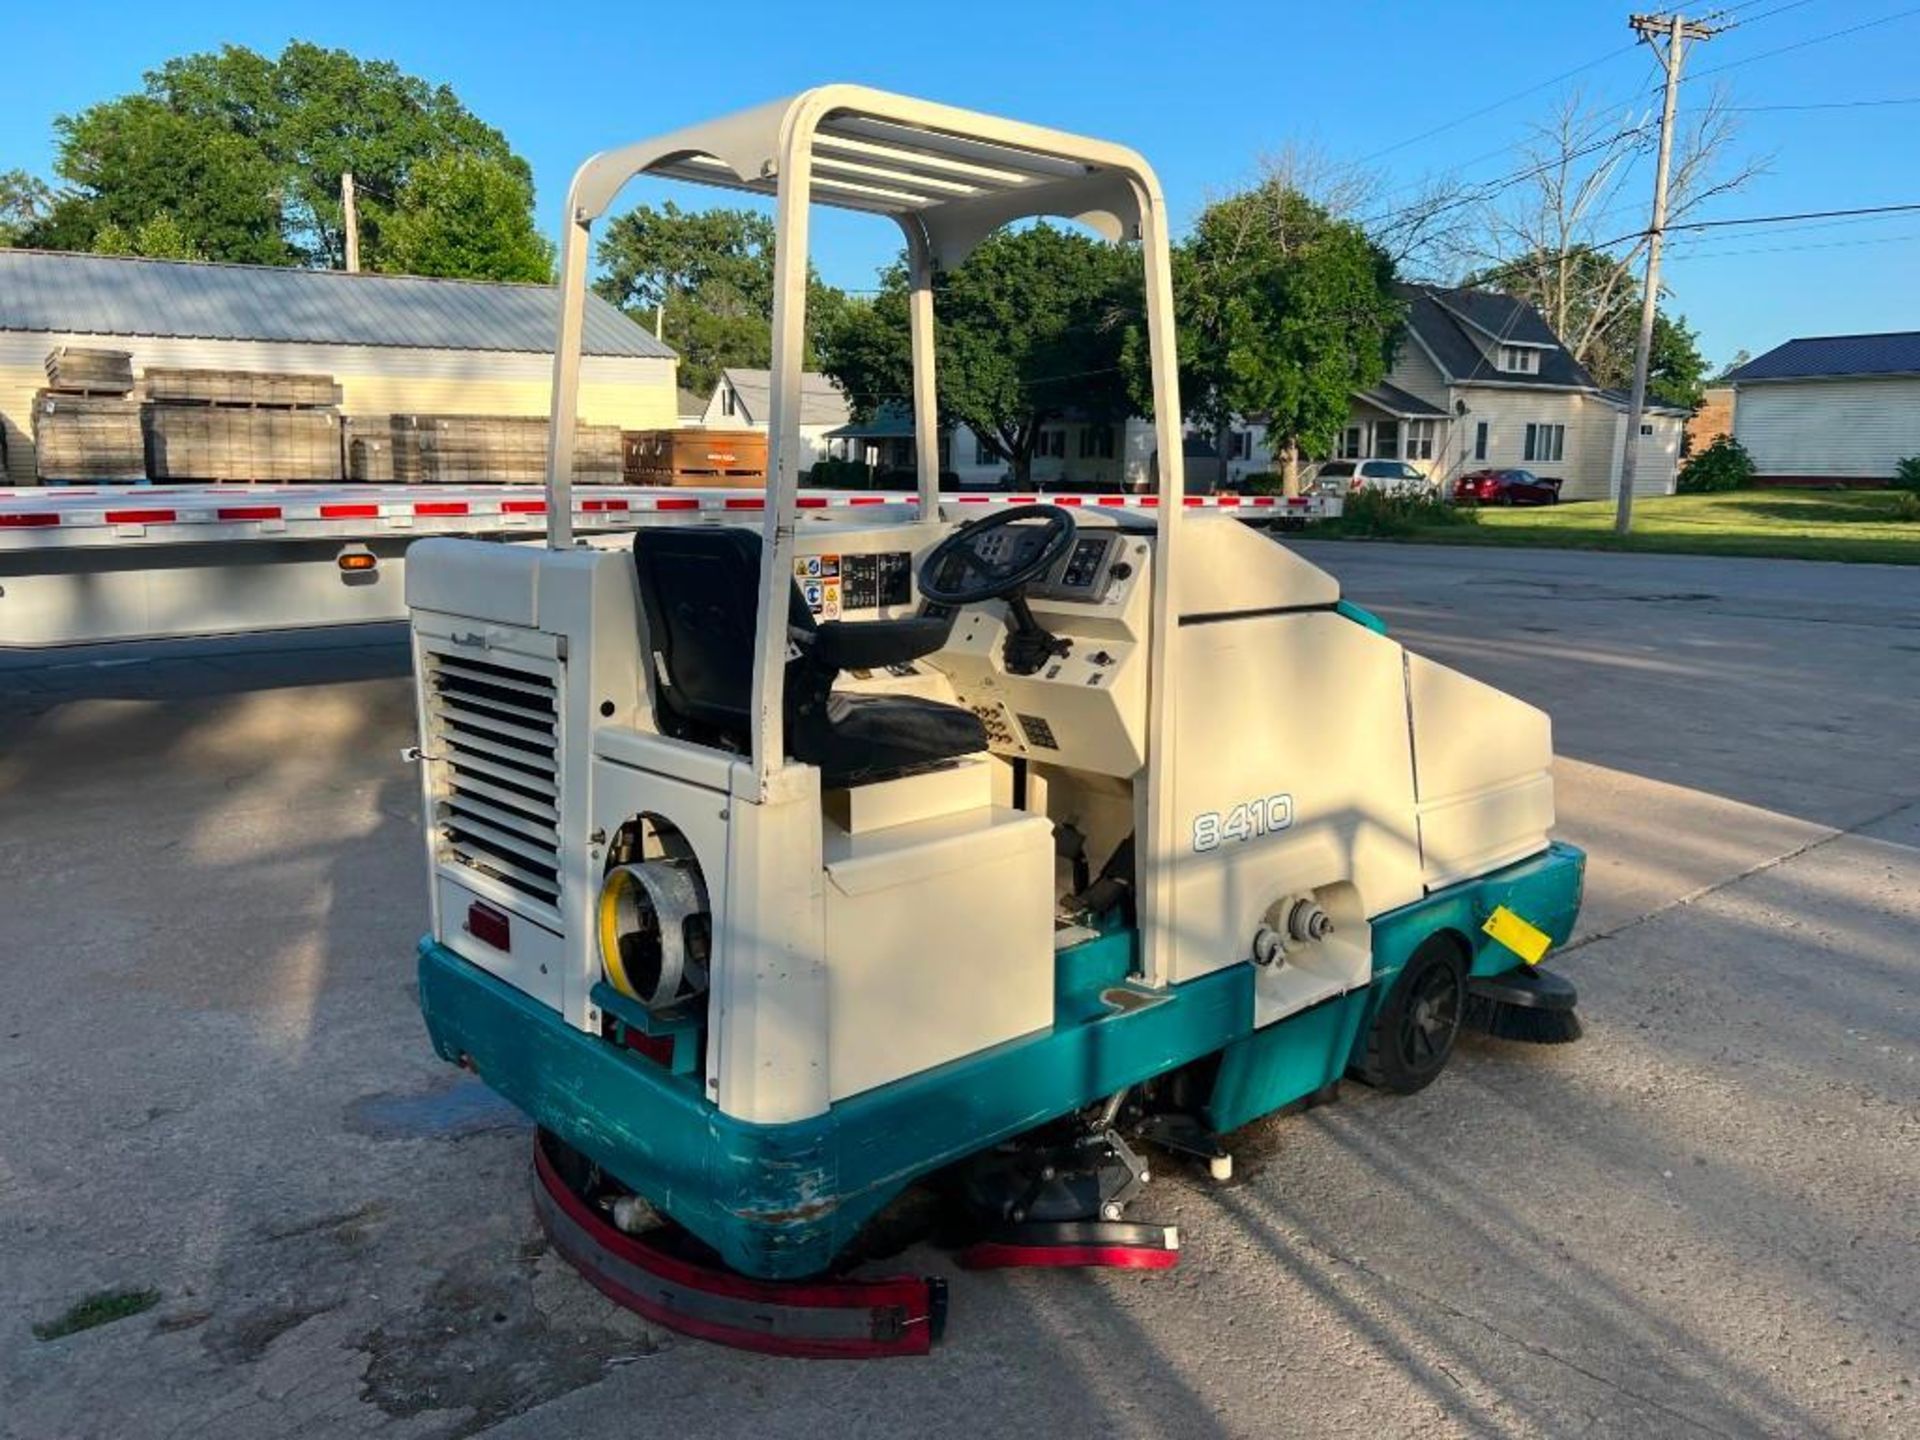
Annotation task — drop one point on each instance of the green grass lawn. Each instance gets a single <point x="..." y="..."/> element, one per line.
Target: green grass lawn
<point x="1881" y="527"/>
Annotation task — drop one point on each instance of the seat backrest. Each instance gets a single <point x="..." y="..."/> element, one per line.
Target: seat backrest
<point x="699" y="588"/>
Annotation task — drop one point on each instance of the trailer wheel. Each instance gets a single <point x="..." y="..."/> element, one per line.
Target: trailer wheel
<point x="1412" y="1036"/>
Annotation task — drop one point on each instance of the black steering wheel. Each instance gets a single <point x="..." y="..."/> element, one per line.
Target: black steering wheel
<point x="989" y="560"/>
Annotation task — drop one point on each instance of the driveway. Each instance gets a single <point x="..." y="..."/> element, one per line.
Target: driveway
<point x="1701" y="1220"/>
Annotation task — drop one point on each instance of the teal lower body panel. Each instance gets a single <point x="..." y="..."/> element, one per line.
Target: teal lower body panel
<point x="1288" y="1061"/>
<point x="782" y="1201"/>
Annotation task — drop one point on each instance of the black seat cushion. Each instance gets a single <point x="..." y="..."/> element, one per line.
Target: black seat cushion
<point x="878" y="737"/>
<point x="699" y="587"/>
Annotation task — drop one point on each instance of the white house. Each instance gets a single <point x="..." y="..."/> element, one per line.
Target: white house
<point x="1831" y="409"/>
<point x="1480" y="382"/>
<point x="741" y="400"/>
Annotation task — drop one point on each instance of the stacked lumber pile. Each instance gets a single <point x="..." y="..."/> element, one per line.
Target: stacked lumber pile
<point x="483" y="449"/>
<point x="369" y="448"/>
<point x="242" y="387"/>
<point x="87" y="437"/>
<point x="242" y="425"/>
<point x="218" y="442"/>
<point x="695" y="456"/>
<point x="78" y="370"/>
<point x="86" y="423"/>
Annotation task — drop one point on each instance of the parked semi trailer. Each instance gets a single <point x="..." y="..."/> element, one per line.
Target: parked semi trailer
<point x="151" y="562"/>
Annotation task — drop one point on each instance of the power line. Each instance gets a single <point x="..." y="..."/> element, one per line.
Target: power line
<point x="1822" y="105"/>
<point x="1726" y="19"/>
<point x="1803" y="44"/>
<point x="1458" y="121"/>
<point x="1781" y="219"/>
<point x="1812" y="245"/>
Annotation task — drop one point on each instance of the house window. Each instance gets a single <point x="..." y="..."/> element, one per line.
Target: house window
<point x="1096" y="442"/>
<point x="1052" y="443"/>
<point x="1546" y="443"/>
<point x="1480" y="441"/>
<point x="1349" y="446"/>
<point x="982" y="453"/>
<point x="728" y="402"/>
<point x="1242" y="448"/>
<point x="1386" y="439"/>
<point x="1646" y="429"/>
<point x="1520" y="359"/>
<point x="1420" y="439"/>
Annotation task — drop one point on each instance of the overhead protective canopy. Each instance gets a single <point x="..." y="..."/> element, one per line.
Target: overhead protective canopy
<point x="953" y="175"/>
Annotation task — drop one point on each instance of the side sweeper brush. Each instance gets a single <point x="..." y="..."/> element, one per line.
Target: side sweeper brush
<point x="1536" y="1006"/>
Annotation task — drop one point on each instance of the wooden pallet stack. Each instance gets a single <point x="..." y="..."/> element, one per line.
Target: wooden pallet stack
<point x="86" y="422"/>
<point x="695" y="456"/>
<point x="479" y="449"/>
<point x="242" y="425"/>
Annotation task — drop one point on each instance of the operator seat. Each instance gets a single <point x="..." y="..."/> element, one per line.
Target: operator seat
<point x="699" y="589"/>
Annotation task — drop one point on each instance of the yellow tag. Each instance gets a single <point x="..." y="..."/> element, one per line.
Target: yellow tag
<point x="1525" y="939"/>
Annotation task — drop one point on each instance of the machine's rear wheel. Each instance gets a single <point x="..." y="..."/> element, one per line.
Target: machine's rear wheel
<point x="1412" y="1036"/>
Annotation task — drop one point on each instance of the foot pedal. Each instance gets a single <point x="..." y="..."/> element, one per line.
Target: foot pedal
<point x="1087" y="1243"/>
<point x="827" y="1320"/>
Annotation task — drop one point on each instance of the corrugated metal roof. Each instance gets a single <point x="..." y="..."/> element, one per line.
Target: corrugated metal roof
<point x="111" y="295"/>
<point x="1821" y="356"/>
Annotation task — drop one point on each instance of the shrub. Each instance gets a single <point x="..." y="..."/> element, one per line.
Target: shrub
<point x="1723" y="465"/>
<point x="1376" y="513"/>
<point x="1906" y="473"/>
<point x="831" y="474"/>
<point x="1264" y="484"/>
<point x="1906" y="505"/>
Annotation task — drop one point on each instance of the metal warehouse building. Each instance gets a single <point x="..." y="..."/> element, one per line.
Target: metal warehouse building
<point x="396" y="344"/>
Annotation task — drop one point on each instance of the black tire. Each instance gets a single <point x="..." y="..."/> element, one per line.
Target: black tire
<point x="1412" y="1036"/>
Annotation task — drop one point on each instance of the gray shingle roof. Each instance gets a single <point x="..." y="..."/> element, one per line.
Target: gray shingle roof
<point x="1395" y="401"/>
<point x="821" y="401"/>
<point x="1819" y="356"/>
<point x="110" y="295"/>
<point x="1445" y="321"/>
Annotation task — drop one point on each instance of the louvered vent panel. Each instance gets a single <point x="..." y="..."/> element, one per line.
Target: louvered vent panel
<point x="495" y="730"/>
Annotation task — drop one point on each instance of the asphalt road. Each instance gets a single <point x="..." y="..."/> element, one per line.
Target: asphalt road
<point x="1700" y="1221"/>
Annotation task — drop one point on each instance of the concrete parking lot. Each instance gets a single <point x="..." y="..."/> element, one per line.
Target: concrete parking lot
<point x="1701" y="1220"/>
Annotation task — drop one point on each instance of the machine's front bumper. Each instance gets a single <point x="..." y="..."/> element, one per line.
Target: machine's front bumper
<point x="782" y="1201"/>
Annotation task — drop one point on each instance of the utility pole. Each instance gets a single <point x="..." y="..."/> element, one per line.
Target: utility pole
<point x="352" y="222"/>
<point x="1678" y="30"/>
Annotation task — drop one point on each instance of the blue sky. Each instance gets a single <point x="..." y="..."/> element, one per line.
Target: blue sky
<point x="1202" y="89"/>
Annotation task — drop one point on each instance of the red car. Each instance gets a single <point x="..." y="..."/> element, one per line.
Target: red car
<point x="1507" y="487"/>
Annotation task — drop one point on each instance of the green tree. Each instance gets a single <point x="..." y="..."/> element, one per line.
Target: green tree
<point x="465" y="216"/>
<point x="25" y="201"/>
<point x="130" y="160"/>
<point x="158" y="238"/>
<point x="712" y="272"/>
<point x="1032" y="327"/>
<point x="1676" y="370"/>
<point x="246" y="152"/>
<point x="1283" y="312"/>
<point x="1740" y="358"/>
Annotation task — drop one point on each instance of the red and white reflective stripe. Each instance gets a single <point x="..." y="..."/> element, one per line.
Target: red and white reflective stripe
<point x="157" y="514"/>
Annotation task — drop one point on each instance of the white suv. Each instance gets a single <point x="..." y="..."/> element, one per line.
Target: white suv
<point x="1393" y="477"/>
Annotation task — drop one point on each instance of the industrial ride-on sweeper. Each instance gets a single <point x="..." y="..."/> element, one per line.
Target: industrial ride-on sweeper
<point x="781" y="862"/>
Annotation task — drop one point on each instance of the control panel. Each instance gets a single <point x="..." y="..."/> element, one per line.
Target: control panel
<point x="1084" y="572"/>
